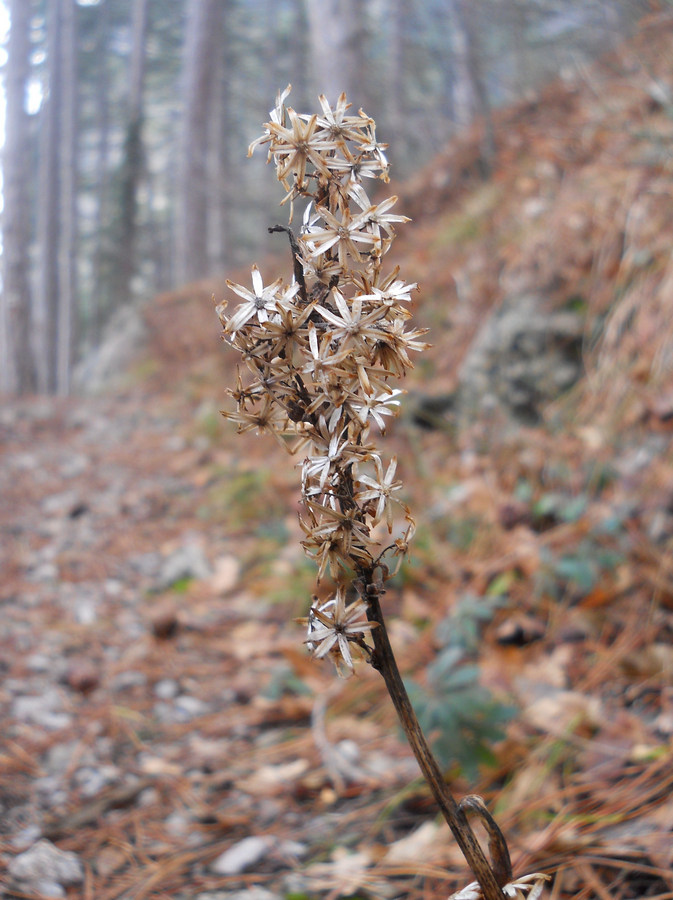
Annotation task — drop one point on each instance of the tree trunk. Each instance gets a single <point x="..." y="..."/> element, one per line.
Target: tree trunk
<point x="470" y="92"/>
<point x="101" y="292"/>
<point x="394" y="97"/>
<point x="48" y="217"/>
<point x="222" y="126"/>
<point x="17" y="364"/>
<point x="334" y="27"/>
<point x="133" y="164"/>
<point x="191" y="226"/>
<point x="67" y="282"/>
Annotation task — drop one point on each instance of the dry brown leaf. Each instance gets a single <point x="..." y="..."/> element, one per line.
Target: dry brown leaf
<point x="428" y="842"/>
<point x="269" y="781"/>
<point x="561" y="712"/>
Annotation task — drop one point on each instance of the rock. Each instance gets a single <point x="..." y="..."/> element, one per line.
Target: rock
<point x="178" y="824"/>
<point x="124" y="681"/>
<point x="92" y="779"/>
<point x="50" y="791"/>
<point x="166" y="689"/>
<point x="58" y="758"/>
<point x="45" y="710"/>
<point x="522" y="358"/>
<point x="85" y="608"/>
<point x="45" y="865"/>
<point x="180" y="709"/>
<point x="26" y="837"/>
<point x="47" y="888"/>
<point x="191" y="707"/>
<point x="44" y="572"/>
<point x="431" y="411"/>
<point x="39" y="662"/>
<point x="60" y="504"/>
<point x="146" y="564"/>
<point x="242" y="856"/>
<point x="108" y="363"/>
<point x="188" y="561"/>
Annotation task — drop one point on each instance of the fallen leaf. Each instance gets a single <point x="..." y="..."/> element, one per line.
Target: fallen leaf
<point x="268" y="781"/>
<point x="427" y="843"/>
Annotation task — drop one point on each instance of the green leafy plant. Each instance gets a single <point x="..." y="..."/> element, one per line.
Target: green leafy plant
<point x="577" y="572"/>
<point x="461" y="716"/>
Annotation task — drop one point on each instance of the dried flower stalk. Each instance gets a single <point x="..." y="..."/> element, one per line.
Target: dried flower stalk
<point x="320" y="353"/>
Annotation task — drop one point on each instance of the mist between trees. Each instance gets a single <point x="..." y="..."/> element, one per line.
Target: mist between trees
<point x="127" y="123"/>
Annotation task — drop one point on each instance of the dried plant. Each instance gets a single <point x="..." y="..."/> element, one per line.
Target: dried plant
<point x="320" y="352"/>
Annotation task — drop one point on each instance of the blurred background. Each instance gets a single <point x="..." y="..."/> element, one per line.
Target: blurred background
<point x="127" y="124"/>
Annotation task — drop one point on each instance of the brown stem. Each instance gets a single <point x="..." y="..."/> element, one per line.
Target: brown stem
<point x="497" y="845"/>
<point x="296" y="259"/>
<point x="384" y="660"/>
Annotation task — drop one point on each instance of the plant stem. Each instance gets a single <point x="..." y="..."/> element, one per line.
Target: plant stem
<point x="383" y="659"/>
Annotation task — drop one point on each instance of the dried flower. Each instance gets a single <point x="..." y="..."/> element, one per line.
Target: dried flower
<point x="259" y="302"/>
<point x="322" y="349"/>
<point x="380" y="491"/>
<point x="528" y="887"/>
<point x="334" y="627"/>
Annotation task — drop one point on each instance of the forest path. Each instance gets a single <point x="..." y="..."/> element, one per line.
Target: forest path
<point x="135" y="655"/>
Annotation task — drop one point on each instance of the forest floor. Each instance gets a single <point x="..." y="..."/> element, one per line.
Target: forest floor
<point x="162" y="721"/>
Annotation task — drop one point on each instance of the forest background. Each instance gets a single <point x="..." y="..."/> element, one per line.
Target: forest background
<point x="127" y="125"/>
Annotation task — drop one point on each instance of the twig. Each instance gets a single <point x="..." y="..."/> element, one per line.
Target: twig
<point x="297" y="267"/>
<point x="455" y="815"/>
<point x="497" y="845"/>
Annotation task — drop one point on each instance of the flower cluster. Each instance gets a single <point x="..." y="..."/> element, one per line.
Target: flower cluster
<point x="321" y="350"/>
<point x="528" y="887"/>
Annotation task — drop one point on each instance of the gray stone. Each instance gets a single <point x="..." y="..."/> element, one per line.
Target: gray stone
<point x="146" y="564"/>
<point x="44" y="862"/>
<point x="292" y="849"/>
<point x="523" y="357"/>
<point x="59" y="504"/>
<point x="59" y="758"/>
<point x="92" y="779"/>
<point x="38" y="662"/>
<point x="182" y="709"/>
<point x="242" y="856"/>
<point x="50" y="790"/>
<point x="191" y="706"/>
<point x="45" y="710"/>
<point x="48" y="888"/>
<point x="177" y="824"/>
<point x="26" y="837"/>
<point x="44" y="573"/>
<point x="109" y="362"/>
<point x="75" y="466"/>
<point x="130" y="679"/>
<point x="85" y="610"/>
<point x="166" y="689"/>
<point x="188" y="561"/>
